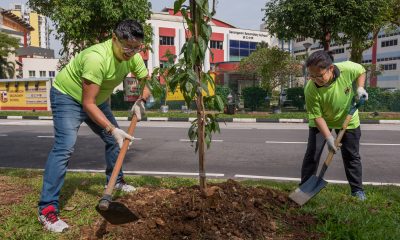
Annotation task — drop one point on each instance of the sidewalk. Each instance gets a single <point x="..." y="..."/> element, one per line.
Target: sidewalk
<point x="235" y="120"/>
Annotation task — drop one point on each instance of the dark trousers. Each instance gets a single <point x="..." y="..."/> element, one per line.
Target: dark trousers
<point x="350" y="153"/>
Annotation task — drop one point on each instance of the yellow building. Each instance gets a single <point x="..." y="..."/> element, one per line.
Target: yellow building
<point x="40" y="36"/>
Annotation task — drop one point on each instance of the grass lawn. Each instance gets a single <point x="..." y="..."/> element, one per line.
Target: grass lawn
<point x="340" y="216"/>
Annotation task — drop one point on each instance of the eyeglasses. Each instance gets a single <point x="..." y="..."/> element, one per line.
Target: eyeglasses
<point x="318" y="77"/>
<point x="129" y="50"/>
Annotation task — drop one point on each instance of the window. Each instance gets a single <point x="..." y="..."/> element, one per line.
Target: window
<point x="42" y="73"/>
<point x="32" y="74"/>
<point x="167" y="41"/>
<point x="52" y="73"/>
<point x="216" y="44"/>
<point x="240" y="49"/>
<point x="388" y="67"/>
<point x="389" y="43"/>
<point x="338" y="51"/>
<point x="300" y="39"/>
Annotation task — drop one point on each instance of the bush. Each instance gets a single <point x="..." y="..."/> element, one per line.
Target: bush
<point x="223" y="92"/>
<point x="297" y="97"/>
<point x="254" y="97"/>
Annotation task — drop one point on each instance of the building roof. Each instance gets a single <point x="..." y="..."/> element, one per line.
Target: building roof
<point x="217" y="22"/>
<point x="35" y="51"/>
<point x="16" y="19"/>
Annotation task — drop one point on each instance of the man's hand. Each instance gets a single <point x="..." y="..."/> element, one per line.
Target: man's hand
<point x="120" y="135"/>
<point x="362" y="93"/>
<point x="138" y="109"/>
<point x="331" y="144"/>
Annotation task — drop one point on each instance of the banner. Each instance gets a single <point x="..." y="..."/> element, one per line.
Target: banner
<point x="29" y="95"/>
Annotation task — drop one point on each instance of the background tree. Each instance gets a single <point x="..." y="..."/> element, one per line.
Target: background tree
<point x="272" y="66"/>
<point x="187" y="75"/>
<point x="316" y="19"/>
<point x="82" y="23"/>
<point x="8" y="45"/>
<point x="364" y="20"/>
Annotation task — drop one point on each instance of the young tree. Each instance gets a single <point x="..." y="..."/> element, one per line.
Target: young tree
<point x="8" y="45"/>
<point x="82" y="23"/>
<point x="188" y="76"/>
<point x="316" y="19"/>
<point x="272" y="66"/>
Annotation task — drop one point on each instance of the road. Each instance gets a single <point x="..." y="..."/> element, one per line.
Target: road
<point x="242" y="150"/>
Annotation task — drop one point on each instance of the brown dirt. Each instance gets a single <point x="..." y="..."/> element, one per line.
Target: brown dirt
<point x="10" y="193"/>
<point x="232" y="212"/>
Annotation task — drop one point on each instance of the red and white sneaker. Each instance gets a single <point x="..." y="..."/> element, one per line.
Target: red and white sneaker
<point x="50" y="220"/>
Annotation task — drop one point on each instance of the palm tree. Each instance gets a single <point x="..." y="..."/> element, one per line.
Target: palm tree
<point x="7" y="69"/>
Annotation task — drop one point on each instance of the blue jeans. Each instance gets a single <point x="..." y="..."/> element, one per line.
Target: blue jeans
<point x="68" y="115"/>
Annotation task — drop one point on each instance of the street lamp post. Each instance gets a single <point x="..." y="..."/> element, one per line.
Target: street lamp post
<point x="306" y="45"/>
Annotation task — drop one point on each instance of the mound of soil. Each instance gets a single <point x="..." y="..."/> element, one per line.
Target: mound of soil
<point x="232" y="211"/>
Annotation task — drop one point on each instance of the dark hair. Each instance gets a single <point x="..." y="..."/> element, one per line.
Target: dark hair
<point x="321" y="59"/>
<point x="129" y="29"/>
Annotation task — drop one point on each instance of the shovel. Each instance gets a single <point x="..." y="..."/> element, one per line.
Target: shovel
<point x="112" y="211"/>
<point x="316" y="183"/>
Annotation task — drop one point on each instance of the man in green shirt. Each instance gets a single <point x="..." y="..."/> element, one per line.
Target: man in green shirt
<point x="79" y="94"/>
<point x="328" y="99"/>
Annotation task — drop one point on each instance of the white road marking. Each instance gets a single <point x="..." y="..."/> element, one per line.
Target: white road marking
<point x="188" y="140"/>
<point x="298" y="180"/>
<point x="380" y="144"/>
<point x="3" y="135"/>
<point x="152" y="173"/>
<point x="364" y="144"/>
<point x="45" y="136"/>
<point x="286" y="142"/>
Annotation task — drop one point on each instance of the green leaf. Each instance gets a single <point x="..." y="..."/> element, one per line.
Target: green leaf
<point x="206" y="29"/>
<point x="178" y="5"/>
<point x="202" y="47"/>
<point x="219" y="103"/>
<point x="188" y="86"/>
<point x="194" y="53"/>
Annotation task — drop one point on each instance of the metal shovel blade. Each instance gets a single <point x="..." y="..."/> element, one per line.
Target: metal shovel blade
<point x="117" y="213"/>
<point x="308" y="190"/>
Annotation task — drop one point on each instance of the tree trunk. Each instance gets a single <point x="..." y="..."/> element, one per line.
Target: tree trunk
<point x="199" y="103"/>
<point x="356" y="50"/>
<point x="373" y="78"/>
<point x="327" y="41"/>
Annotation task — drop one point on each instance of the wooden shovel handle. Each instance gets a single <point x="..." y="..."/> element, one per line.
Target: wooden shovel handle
<point x="120" y="159"/>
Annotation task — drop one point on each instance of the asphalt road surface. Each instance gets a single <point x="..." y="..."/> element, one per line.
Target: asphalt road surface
<point x="242" y="150"/>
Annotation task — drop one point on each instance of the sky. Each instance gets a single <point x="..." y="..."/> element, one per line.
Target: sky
<point x="245" y="14"/>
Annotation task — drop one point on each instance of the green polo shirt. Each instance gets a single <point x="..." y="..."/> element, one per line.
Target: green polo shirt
<point x="98" y="65"/>
<point x="333" y="103"/>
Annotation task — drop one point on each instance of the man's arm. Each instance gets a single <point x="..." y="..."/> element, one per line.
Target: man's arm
<point x="361" y="92"/>
<point x="361" y="80"/>
<point x="89" y="93"/>
<point x="322" y="127"/>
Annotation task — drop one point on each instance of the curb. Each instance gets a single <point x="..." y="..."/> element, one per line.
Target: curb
<point x="235" y="120"/>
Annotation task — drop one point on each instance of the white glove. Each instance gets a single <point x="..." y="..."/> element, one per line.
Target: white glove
<point x="331" y="144"/>
<point x="138" y="109"/>
<point x="120" y="135"/>
<point x="362" y="93"/>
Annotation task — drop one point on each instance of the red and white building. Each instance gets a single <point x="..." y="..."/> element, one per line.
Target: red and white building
<point x="227" y="43"/>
